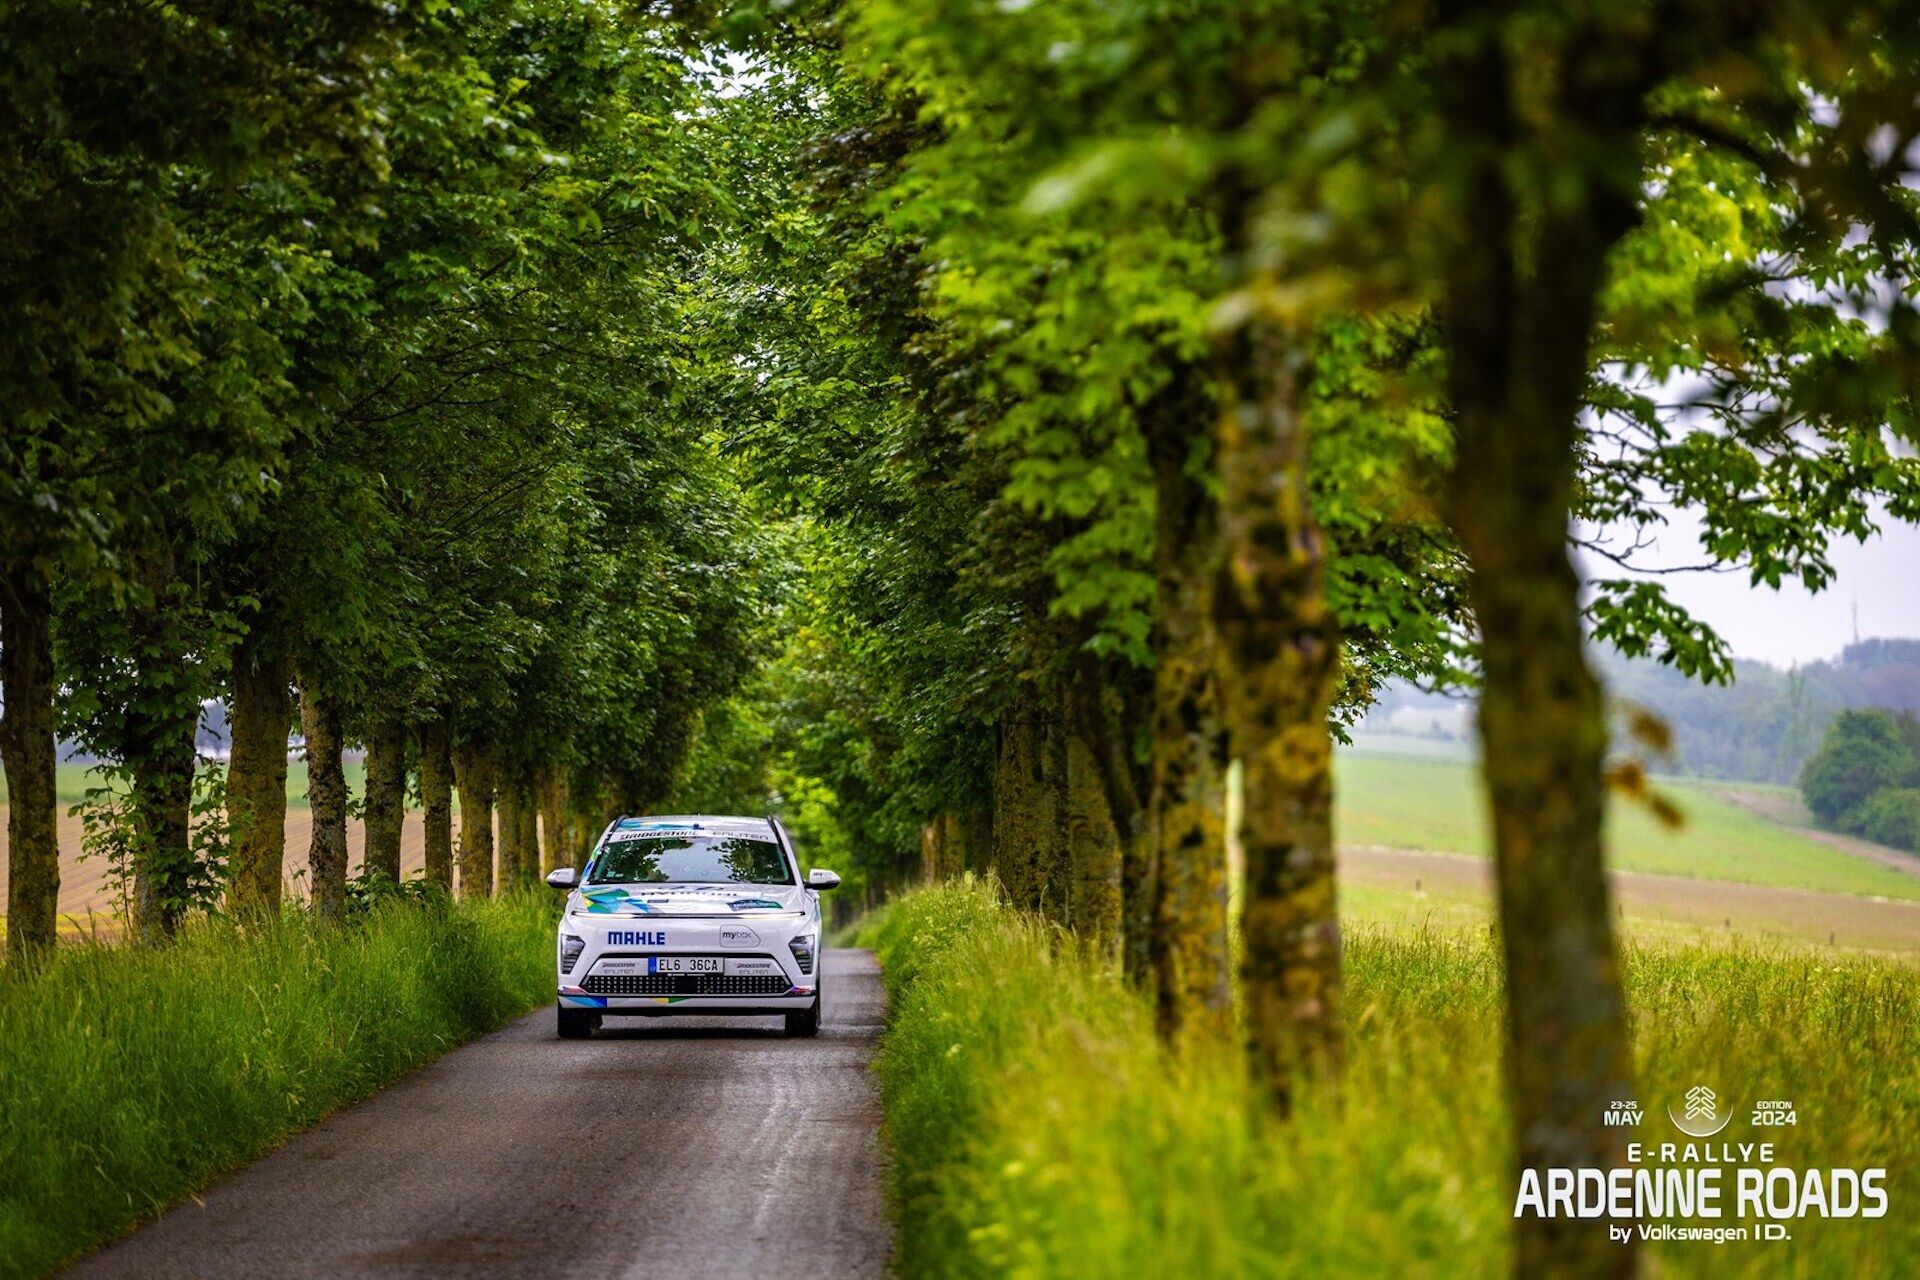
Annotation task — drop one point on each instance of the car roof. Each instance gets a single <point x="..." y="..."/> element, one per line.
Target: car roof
<point x="715" y="823"/>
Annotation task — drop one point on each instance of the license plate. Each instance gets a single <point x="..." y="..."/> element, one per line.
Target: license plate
<point x="683" y="964"/>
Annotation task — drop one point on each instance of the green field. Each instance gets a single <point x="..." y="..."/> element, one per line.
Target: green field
<point x="1405" y="802"/>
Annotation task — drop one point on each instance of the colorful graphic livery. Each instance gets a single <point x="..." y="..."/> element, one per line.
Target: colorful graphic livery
<point x="690" y="915"/>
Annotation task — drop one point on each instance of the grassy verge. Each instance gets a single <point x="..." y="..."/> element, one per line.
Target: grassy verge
<point x="1039" y="1130"/>
<point x="130" y="1076"/>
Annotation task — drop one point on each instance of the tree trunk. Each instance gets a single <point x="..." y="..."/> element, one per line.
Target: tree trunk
<point x="510" y="803"/>
<point x="259" y="719"/>
<point x="163" y="810"/>
<point x="29" y="754"/>
<point x="473" y="774"/>
<point x="1093" y="846"/>
<point x="556" y="804"/>
<point x="1543" y="734"/>
<point x="1518" y="314"/>
<point x="591" y="807"/>
<point x="528" y="866"/>
<point x="161" y="718"/>
<point x="386" y="796"/>
<point x="1030" y="821"/>
<point x="944" y="846"/>
<point x="436" y="802"/>
<point x="586" y="830"/>
<point x="974" y="827"/>
<point x="1106" y="706"/>
<point x="1280" y="650"/>
<point x="327" y="799"/>
<point x="1013" y="809"/>
<point x="1188" y="875"/>
<point x="930" y="837"/>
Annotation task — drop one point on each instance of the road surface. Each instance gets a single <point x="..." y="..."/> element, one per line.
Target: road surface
<point x="659" y="1148"/>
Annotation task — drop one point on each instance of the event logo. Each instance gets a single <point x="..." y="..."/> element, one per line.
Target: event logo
<point x="1702" y="1117"/>
<point x="1710" y="1192"/>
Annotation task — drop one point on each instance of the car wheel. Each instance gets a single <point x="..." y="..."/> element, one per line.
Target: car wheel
<point x="806" y="1022"/>
<point x="576" y="1024"/>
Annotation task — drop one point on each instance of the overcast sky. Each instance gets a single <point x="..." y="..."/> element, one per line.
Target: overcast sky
<point x="1792" y="624"/>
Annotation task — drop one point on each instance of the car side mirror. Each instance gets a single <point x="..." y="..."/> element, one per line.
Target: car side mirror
<point x="821" y="878"/>
<point x="563" y="878"/>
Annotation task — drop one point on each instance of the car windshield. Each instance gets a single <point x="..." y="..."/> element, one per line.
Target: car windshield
<point x="695" y="859"/>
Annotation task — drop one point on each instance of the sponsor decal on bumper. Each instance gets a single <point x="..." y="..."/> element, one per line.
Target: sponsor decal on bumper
<point x="575" y="1000"/>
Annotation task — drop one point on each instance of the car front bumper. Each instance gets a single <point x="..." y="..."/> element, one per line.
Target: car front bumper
<point x="615" y="971"/>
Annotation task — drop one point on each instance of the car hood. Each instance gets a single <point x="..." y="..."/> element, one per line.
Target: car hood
<point x="690" y="899"/>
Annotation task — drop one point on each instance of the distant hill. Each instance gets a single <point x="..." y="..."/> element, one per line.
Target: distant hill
<point x="1769" y="721"/>
<point x="1762" y="728"/>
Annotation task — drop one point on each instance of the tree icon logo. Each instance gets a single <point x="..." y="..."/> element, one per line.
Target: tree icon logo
<point x="1701" y="1116"/>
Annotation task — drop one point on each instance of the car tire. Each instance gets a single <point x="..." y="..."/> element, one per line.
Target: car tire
<point x="575" y="1024"/>
<point x="806" y="1022"/>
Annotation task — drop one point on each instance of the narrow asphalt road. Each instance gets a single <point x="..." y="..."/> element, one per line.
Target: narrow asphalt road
<point x="661" y="1147"/>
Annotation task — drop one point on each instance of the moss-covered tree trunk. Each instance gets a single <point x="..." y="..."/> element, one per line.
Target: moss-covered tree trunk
<point x="1016" y="808"/>
<point x="1030" y="817"/>
<point x="556" y="827"/>
<point x="163" y="869"/>
<point x="436" y="802"/>
<point x="1093" y="848"/>
<point x="160" y="719"/>
<point x="973" y="827"/>
<point x="509" y="801"/>
<point x="954" y="842"/>
<point x="1106" y="709"/>
<point x="1280" y="662"/>
<point x="259" y="718"/>
<point x="327" y="799"/>
<point x="1057" y="865"/>
<point x="1188" y="875"/>
<point x="1543" y="733"/>
<point x="386" y="795"/>
<point x="473" y="774"/>
<point x="1518" y="315"/>
<point x="29" y="755"/>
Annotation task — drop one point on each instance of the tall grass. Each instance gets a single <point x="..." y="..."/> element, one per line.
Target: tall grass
<point x="130" y="1075"/>
<point x="1040" y="1130"/>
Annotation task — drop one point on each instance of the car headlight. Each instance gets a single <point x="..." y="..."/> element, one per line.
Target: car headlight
<point x="570" y="949"/>
<point x="802" y="948"/>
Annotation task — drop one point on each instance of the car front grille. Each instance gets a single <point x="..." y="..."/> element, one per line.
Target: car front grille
<point x="685" y="984"/>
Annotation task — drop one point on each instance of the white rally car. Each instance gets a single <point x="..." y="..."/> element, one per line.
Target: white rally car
<point x="690" y="915"/>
